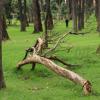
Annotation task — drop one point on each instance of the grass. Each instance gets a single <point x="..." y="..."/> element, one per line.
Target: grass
<point x="51" y="85"/>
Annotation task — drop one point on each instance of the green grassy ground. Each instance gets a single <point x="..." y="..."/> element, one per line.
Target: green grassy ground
<point x="51" y="86"/>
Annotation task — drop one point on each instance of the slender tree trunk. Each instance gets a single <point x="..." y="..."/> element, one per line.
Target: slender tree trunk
<point x="68" y="14"/>
<point x="97" y="12"/>
<point x="96" y="8"/>
<point x="79" y="14"/>
<point x="5" y="35"/>
<point x="82" y="18"/>
<point x="70" y="9"/>
<point x="46" y="34"/>
<point x="49" y="20"/>
<point x="31" y="13"/>
<point x="2" y="82"/>
<point x="22" y="16"/>
<point x="87" y="15"/>
<point x="74" y="16"/>
<point x="99" y="17"/>
<point x="42" y="9"/>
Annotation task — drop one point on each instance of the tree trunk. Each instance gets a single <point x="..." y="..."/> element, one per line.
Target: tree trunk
<point x="99" y="17"/>
<point x="42" y="9"/>
<point x="98" y="50"/>
<point x="37" y="17"/>
<point x="31" y="13"/>
<point x="49" y="20"/>
<point x="96" y="8"/>
<point x="74" y="16"/>
<point x="87" y="15"/>
<point x="35" y="58"/>
<point x="4" y="31"/>
<point x="79" y="14"/>
<point x="70" y="9"/>
<point x="57" y="69"/>
<point x="2" y="82"/>
<point x="46" y="34"/>
<point x="68" y="14"/>
<point x="82" y="18"/>
<point x="97" y="13"/>
<point x="22" y="16"/>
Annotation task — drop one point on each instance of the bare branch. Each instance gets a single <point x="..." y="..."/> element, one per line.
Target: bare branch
<point x="84" y="29"/>
<point x="63" y="62"/>
<point x="57" y="42"/>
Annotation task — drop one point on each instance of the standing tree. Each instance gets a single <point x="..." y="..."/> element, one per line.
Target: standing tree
<point x="8" y="9"/>
<point x="99" y="17"/>
<point x="42" y="9"/>
<point x="49" y="19"/>
<point x="97" y="12"/>
<point x="82" y="15"/>
<point x="22" y="16"/>
<point x="74" y="16"/>
<point x="37" y="17"/>
<point x="86" y="7"/>
<point x="2" y="82"/>
<point x="5" y="35"/>
<point x="79" y="14"/>
<point x="69" y="8"/>
<point x="30" y="12"/>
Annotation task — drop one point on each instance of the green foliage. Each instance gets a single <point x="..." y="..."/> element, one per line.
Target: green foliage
<point x="15" y="7"/>
<point x="63" y="8"/>
<point x="44" y="84"/>
<point x="8" y="9"/>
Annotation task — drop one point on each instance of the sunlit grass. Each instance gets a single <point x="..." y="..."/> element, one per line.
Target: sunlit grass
<point x="52" y="86"/>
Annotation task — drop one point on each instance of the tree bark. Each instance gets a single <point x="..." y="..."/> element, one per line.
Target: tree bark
<point x="22" y="16"/>
<point x="31" y="13"/>
<point x="5" y="35"/>
<point x="74" y="16"/>
<point x="87" y="15"/>
<point x="70" y="9"/>
<point x="46" y="34"/>
<point x="96" y="8"/>
<point x="82" y="18"/>
<point x="68" y="14"/>
<point x="48" y="11"/>
<point x="79" y="14"/>
<point x="99" y="17"/>
<point x="2" y="82"/>
<point x="42" y="9"/>
<point x="37" y="17"/>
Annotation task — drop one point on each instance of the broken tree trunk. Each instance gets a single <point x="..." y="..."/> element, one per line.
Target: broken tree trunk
<point x="59" y="70"/>
<point x="35" y="58"/>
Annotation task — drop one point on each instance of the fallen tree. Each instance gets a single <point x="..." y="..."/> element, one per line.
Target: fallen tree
<point x="45" y="60"/>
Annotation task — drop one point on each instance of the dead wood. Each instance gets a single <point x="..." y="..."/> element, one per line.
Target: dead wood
<point x="83" y="32"/>
<point x="59" y="70"/>
<point x="63" y="62"/>
<point x="35" y="58"/>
